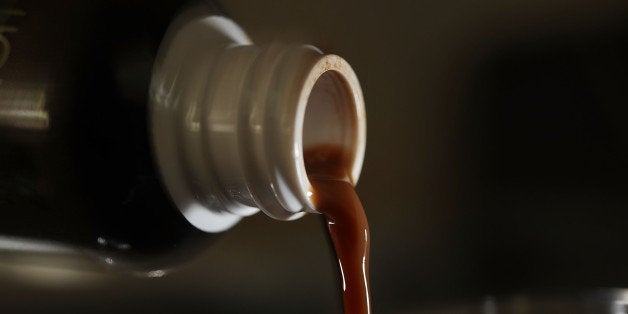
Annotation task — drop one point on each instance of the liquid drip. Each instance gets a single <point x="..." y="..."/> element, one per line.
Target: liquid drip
<point x="328" y="168"/>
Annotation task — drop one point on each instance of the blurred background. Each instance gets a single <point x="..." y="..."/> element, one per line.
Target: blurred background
<point x="496" y="164"/>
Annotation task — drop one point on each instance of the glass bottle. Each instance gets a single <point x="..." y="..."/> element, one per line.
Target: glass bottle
<point x="135" y="132"/>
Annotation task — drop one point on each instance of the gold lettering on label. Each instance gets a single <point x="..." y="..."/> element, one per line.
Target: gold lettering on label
<point x="5" y="44"/>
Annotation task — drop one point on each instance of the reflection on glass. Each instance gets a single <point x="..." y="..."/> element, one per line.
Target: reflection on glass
<point x="17" y="244"/>
<point x="46" y="263"/>
<point x="23" y="106"/>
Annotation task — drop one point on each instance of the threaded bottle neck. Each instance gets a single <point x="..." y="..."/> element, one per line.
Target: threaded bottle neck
<point x="230" y="121"/>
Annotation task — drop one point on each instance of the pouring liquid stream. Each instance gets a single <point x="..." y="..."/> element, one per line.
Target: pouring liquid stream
<point x="333" y="195"/>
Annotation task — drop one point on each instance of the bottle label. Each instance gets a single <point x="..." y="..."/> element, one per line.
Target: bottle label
<point x="22" y="102"/>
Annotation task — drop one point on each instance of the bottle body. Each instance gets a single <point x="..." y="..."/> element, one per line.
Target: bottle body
<point x="146" y="132"/>
<point x="75" y="157"/>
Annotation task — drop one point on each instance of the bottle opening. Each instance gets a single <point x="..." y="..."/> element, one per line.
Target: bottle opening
<point x="334" y="114"/>
<point x="330" y="117"/>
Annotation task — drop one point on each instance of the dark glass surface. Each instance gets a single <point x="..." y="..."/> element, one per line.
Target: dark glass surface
<point x="75" y="154"/>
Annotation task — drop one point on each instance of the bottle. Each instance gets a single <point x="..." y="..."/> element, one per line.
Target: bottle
<point x="136" y="132"/>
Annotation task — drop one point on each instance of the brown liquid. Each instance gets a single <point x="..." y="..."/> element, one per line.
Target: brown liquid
<point x="328" y="168"/>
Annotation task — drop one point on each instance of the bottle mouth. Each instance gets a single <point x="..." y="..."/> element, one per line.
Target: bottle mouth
<point x="330" y="112"/>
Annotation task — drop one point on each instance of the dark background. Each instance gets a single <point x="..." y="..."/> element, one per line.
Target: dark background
<point x="496" y="164"/>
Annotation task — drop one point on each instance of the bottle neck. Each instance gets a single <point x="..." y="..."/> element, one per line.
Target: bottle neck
<point x="230" y="121"/>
